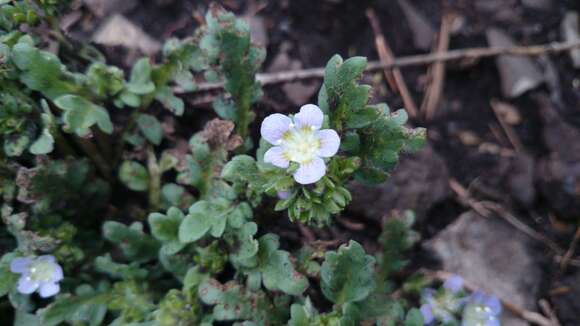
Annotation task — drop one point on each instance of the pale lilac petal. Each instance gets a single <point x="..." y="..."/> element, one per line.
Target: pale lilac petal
<point x="49" y="258"/>
<point x="49" y="289"/>
<point x="283" y="194"/>
<point x="274" y="127"/>
<point x="276" y="157"/>
<point x="309" y="116"/>
<point x="329" y="142"/>
<point x="427" y="313"/>
<point x="454" y="283"/>
<point x="310" y="172"/>
<point x="20" y="265"/>
<point x="492" y="322"/>
<point x="26" y="285"/>
<point x="493" y="304"/>
<point x="58" y="274"/>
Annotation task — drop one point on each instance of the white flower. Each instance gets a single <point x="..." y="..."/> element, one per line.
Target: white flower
<point x="300" y="141"/>
<point x="38" y="273"/>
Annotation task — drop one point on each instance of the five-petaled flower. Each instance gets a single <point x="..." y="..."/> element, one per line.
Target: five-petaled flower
<point x="300" y="140"/>
<point x="38" y="273"/>
<point x="482" y="310"/>
<point x="442" y="305"/>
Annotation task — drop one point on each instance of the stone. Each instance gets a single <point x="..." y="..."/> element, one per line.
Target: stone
<point x="104" y="8"/>
<point x="418" y="183"/>
<point x="518" y="74"/>
<point x="119" y="31"/>
<point x="490" y="254"/>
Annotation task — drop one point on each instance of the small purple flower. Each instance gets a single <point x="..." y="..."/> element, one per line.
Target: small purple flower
<point x="38" y="273"/>
<point x="482" y="310"/>
<point x="454" y="283"/>
<point x="300" y="140"/>
<point x="427" y="313"/>
<point x="439" y="305"/>
<point x="284" y="194"/>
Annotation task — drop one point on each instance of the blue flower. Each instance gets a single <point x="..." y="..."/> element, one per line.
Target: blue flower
<point x="482" y="310"/>
<point x="444" y="304"/>
<point x="40" y="274"/>
<point x="300" y="140"/>
<point x="454" y="284"/>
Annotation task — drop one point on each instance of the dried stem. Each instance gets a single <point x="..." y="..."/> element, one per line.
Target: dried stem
<point x="414" y="60"/>
<point x="386" y="55"/>
<point x="566" y="259"/>
<point x="437" y="70"/>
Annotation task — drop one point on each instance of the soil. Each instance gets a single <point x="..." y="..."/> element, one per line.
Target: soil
<point x="465" y="132"/>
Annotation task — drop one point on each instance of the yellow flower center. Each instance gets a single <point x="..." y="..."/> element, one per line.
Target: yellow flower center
<point x="300" y="145"/>
<point x="41" y="271"/>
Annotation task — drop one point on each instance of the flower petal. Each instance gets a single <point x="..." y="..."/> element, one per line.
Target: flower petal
<point x="276" y="157"/>
<point x="26" y="285"/>
<point x="454" y="283"/>
<point x="57" y="274"/>
<point x="49" y="258"/>
<point x="274" y="127"/>
<point x="49" y="289"/>
<point x="427" y="313"/>
<point x="309" y="116"/>
<point x="20" y="265"/>
<point x="493" y="304"/>
<point x="329" y="142"/>
<point x="310" y="172"/>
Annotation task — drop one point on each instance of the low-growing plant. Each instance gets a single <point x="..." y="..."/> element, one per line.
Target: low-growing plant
<point x="188" y="246"/>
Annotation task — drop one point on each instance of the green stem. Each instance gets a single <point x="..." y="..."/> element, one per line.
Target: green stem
<point x="154" y="180"/>
<point x="121" y="141"/>
<point x="93" y="153"/>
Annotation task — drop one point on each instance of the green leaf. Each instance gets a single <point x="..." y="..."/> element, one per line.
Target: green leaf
<point x="69" y="307"/>
<point x="105" y="264"/>
<point x="414" y="318"/>
<point x="150" y="127"/>
<point x="80" y="115"/>
<point x="14" y="145"/>
<point x="278" y="273"/>
<point x="166" y="227"/>
<point x="7" y="280"/>
<point x="43" y="145"/>
<point x="140" y="82"/>
<point x="225" y="109"/>
<point x="347" y="275"/>
<point x="135" y="244"/>
<point x="197" y="222"/>
<point x="170" y="101"/>
<point x="361" y="118"/>
<point x="134" y="176"/>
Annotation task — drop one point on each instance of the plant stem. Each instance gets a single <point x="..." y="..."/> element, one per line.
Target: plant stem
<point x="154" y="180"/>
<point x="93" y="153"/>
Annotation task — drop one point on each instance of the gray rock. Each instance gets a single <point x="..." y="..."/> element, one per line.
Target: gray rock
<point x="518" y="74"/>
<point x="418" y="182"/>
<point x="571" y="33"/>
<point x="103" y="8"/>
<point x="538" y="4"/>
<point x="119" y="31"/>
<point x="423" y="31"/>
<point x="492" y="255"/>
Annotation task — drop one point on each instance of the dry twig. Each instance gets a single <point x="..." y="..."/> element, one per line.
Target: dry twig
<point x="387" y="57"/>
<point x="566" y="259"/>
<point x="508" y="130"/>
<point x="485" y="209"/>
<point x="414" y="60"/>
<point x="529" y="316"/>
<point x="437" y="70"/>
<point x="548" y="311"/>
